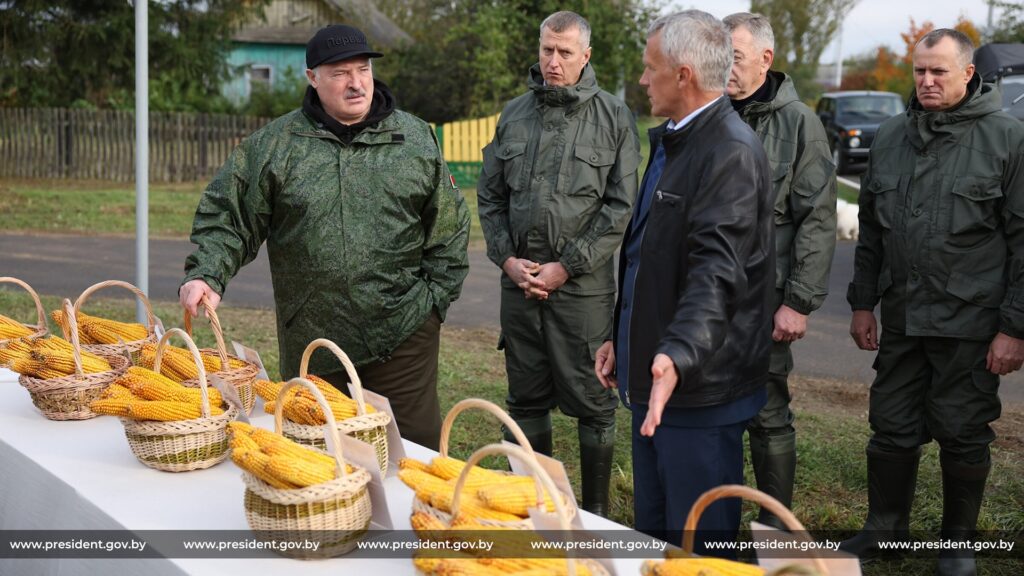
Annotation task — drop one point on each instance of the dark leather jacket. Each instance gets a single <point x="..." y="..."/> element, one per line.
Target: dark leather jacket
<point x="706" y="279"/>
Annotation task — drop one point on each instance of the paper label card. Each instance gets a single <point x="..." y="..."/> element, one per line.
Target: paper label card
<point x="361" y="454"/>
<point x="250" y="355"/>
<point x="230" y="395"/>
<point x="556" y="470"/>
<point x="396" y="450"/>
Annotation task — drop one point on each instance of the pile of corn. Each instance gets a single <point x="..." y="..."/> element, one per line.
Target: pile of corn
<point x="277" y="460"/>
<point x="141" y="394"/>
<point x="47" y="358"/>
<point x="178" y="364"/>
<point x="502" y="559"/>
<point x="486" y="495"/>
<point x="10" y="328"/>
<point x="93" y="330"/>
<point x="699" y="566"/>
<point x="301" y="407"/>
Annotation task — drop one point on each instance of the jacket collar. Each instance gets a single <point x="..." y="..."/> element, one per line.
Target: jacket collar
<point x="677" y="139"/>
<point x="922" y="126"/>
<point x="563" y="96"/>
<point x="784" y="93"/>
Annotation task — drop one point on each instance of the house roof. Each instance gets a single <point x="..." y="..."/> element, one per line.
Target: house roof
<point x="380" y="29"/>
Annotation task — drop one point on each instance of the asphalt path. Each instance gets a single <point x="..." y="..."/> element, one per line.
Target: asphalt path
<point x="66" y="265"/>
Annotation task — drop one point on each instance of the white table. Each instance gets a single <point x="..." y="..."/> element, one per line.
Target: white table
<point x="81" y="475"/>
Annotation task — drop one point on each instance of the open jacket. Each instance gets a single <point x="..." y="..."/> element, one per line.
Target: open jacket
<point x="364" y="240"/>
<point x="705" y="284"/>
<point x="942" y="221"/>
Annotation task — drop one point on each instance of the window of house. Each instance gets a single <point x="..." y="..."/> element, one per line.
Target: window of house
<point x="260" y="75"/>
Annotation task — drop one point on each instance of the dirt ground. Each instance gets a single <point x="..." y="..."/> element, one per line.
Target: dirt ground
<point x="828" y="396"/>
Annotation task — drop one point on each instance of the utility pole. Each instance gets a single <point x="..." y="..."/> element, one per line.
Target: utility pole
<point x="141" y="155"/>
<point x="839" y="57"/>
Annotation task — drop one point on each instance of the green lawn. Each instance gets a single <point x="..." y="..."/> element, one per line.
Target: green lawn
<point x="831" y="480"/>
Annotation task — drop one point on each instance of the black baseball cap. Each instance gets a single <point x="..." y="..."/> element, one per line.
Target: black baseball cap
<point x="337" y="42"/>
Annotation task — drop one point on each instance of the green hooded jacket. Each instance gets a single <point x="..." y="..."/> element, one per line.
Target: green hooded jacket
<point x="804" y="181"/>
<point x="559" y="180"/>
<point x="942" y="221"/>
<point x="364" y="240"/>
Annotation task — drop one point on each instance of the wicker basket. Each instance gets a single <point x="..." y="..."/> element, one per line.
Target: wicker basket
<point x="491" y="408"/>
<point x="241" y="378"/>
<point x="39" y="328"/>
<point x="370" y="428"/>
<point x="182" y="445"/>
<point x="747" y="493"/>
<point x="68" y="397"/>
<point x="336" y="514"/>
<point x="543" y="483"/>
<point x="124" y="348"/>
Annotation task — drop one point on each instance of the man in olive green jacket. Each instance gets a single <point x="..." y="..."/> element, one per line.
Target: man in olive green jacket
<point x="942" y="247"/>
<point x="365" y="230"/>
<point x="805" y="233"/>
<point x="557" y="190"/>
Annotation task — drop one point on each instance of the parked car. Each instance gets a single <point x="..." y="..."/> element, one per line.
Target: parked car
<point x="851" y="119"/>
<point x="1003" y="64"/>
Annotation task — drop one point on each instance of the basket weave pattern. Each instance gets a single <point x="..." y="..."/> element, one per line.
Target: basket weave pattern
<point x="181" y="445"/>
<point x="335" y="513"/>
<point x="241" y="378"/>
<point x="39" y="328"/>
<point x="131" y="349"/>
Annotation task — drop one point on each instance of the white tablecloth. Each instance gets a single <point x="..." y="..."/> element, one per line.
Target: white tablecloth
<point x="81" y="475"/>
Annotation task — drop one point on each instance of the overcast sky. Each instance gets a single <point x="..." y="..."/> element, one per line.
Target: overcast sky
<point x="872" y="23"/>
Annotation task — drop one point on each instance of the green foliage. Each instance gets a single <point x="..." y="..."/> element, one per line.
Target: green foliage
<point x="82" y="52"/>
<point x="1010" y="26"/>
<point x="803" y="28"/>
<point x="471" y="57"/>
<point x="285" y="96"/>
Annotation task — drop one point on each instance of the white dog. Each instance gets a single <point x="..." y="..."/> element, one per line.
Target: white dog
<point x="848" y="223"/>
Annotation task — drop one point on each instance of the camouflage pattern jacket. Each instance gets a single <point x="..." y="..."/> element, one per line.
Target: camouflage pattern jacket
<point x="364" y="240"/>
<point x="942" y="221"/>
<point x="559" y="180"/>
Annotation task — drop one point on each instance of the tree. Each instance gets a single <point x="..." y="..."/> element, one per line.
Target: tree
<point x="470" y="57"/>
<point x="81" y="52"/>
<point x="803" y="28"/>
<point x="964" y="25"/>
<point x="1010" y="27"/>
<point x="912" y="36"/>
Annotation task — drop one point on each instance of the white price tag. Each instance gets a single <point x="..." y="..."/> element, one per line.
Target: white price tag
<point x="250" y="355"/>
<point x="230" y="395"/>
<point x="361" y="454"/>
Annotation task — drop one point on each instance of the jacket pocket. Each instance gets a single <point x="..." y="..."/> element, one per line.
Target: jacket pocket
<point x="975" y="205"/>
<point x="885" y="188"/>
<point x="780" y="172"/>
<point x="292" y="292"/>
<point x="591" y="170"/>
<point x="975" y="290"/>
<point x="513" y="158"/>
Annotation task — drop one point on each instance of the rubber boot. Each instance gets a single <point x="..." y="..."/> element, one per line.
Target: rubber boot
<point x="892" y="477"/>
<point x="774" y="461"/>
<point x="597" y="446"/>
<point x="537" y="431"/>
<point x="963" y="486"/>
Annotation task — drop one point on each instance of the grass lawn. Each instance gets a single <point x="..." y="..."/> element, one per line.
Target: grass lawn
<point x="831" y="419"/>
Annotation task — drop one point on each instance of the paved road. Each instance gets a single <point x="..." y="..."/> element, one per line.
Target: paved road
<point x="66" y="265"/>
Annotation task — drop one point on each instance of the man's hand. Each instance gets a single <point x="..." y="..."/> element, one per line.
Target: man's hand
<point x="790" y="325"/>
<point x="864" y="329"/>
<point x="520" y="270"/>
<point x="191" y="294"/>
<point x="604" y="365"/>
<point x="549" y="277"/>
<point x="663" y="372"/>
<point x="1005" y="355"/>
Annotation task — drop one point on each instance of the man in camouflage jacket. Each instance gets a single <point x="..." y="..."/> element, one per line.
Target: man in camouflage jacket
<point x="365" y="230"/>
<point x="942" y="248"/>
<point x="804" y="183"/>
<point x="556" y="192"/>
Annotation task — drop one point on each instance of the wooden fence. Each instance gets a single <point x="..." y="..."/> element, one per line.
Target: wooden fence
<point x="462" y="142"/>
<point x="100" y="144"/>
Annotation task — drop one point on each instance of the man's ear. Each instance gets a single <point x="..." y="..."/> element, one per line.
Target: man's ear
<point x="767" y="58"/>
<point x="311" y="78"/>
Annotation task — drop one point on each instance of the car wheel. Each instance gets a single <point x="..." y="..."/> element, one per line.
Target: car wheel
<point x="840" y="160"/>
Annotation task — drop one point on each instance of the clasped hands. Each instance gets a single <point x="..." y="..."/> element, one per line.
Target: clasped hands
<point x="536" y="280"/>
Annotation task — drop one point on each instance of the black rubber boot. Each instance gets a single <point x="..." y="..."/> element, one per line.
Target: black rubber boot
<point x="537" y="431"/>
<point x="774" y="462"/>
<point x="963" y="486"/>
<point x="597" y="446"/>
<point x="892" y="477"/>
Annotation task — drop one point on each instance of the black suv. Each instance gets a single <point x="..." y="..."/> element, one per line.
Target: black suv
<point x="851" y="119"/>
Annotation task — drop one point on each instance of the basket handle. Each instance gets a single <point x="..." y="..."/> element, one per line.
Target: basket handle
<point x="162" y="345"/>
<point x="332" y="425"/>
<point x="218" y="332"/>
<point x="541" y="478"/>
<point x="357" y="384"/>
<point x="40" y="312"/>
<point x="747" y="493"/>
<point x="150" y="319"/>
<point x="486" y="406"/>
<point x="76" y="345"/>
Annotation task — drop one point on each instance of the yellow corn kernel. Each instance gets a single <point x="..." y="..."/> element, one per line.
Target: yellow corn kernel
<point x="447" y="467"/>
<point x="299" y="472"/>
<point x="267" y="390"/>
<point x="413" y="464"/>
<point x="514" y="498"/>
<point x="420" y="480"/>
<point x="168" y="410"/>
<point x="111" y="406"/>
<point x="149" y="385"/>
<point x="256" y="463"/>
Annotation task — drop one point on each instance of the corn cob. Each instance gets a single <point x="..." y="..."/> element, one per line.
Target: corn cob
<point x="413" y="464"/>
<point x="103" y="331"/>
<point x="64" y="362"/>
<point x="117" y="392"/>
<point x="257" y="464"/>
<point x="299" y="472"/>
<point x="168" y="410"/>
<point x="111" y="406"/>
<point x="9" y="354"/>
<point x="701" y="566"/>
<point x="420" y="480"/>
<point x="10" y="328"/>
<point x="447" y="467"/>
<point x="267" y="390"/>
<point x="149" y="385"/>
<point x="513" y="498"/>
<point x="469" y="506"/>
<point x="423" y="522"/>
<point x="464" y="567"/>
<point x="27" y="366"/>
